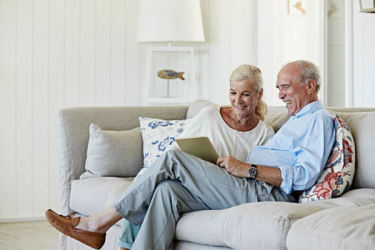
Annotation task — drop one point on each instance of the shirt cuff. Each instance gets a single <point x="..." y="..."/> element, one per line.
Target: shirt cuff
<point x="287" y="175"/>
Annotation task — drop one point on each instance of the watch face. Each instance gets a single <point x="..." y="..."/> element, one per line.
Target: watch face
<point x="252" y="172"/>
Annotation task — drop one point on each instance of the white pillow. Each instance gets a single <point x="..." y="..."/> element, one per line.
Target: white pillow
<point x="158" y="136"/>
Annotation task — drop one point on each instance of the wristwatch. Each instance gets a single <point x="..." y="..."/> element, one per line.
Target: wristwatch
<point x="253" y="171"/>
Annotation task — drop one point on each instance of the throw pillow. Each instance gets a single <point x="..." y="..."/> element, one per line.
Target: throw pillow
<point x="158" y="136"/>
<point x="114" y="153"/>
<point x="338" y="173"/>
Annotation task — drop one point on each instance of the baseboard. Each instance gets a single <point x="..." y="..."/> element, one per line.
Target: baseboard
<point x="23" y="219"/>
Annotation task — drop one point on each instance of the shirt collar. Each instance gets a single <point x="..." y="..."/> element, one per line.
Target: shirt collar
<point x="309" y="108"/>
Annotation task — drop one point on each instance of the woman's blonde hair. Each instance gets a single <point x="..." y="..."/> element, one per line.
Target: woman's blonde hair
<point x="253" y="74"/>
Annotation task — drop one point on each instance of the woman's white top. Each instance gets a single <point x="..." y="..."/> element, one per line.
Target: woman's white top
<point x="227" y="141"/>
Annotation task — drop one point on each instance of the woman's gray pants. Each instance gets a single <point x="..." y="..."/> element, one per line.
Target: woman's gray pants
<point x="178" y="183"/>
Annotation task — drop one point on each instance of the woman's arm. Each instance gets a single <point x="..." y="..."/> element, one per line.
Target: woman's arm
<point x="238" y="168"/>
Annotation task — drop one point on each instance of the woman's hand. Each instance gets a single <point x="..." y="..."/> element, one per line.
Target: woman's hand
<point x="234" y="166"/>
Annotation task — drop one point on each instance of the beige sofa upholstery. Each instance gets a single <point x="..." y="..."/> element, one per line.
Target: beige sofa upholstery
<point x="342" y="223"/>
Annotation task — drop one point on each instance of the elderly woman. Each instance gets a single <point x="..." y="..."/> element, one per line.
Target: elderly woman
<point x="178" y="182"/>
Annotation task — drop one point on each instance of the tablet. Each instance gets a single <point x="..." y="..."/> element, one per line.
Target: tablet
<point x="200" y="147"/>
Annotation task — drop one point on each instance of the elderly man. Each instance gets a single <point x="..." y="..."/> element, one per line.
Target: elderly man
<point x="177" y="182"/>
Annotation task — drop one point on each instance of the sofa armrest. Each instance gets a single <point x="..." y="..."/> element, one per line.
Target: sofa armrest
<point x="72" y="132"/>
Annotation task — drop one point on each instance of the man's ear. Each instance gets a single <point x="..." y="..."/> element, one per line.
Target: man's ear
<point x="311" y="86"/>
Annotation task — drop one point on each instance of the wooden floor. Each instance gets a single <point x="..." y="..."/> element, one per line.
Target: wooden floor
<point x="35" y="235"/>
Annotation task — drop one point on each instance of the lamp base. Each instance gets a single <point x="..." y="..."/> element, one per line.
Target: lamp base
<point x="191" y="93"/>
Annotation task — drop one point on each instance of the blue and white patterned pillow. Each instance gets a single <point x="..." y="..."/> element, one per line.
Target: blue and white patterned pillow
<point x="158" y="135"/>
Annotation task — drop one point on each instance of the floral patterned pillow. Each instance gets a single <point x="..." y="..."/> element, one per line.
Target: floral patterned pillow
<point x="338" y="173"/>
<point x="158" y="135"/>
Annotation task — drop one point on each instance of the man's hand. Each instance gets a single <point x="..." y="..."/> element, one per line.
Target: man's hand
<point x="240" y="169"/>
<point x="234" y="166"/>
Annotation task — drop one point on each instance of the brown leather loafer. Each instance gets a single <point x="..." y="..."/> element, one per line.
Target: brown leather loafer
<point x="66" y="225"/>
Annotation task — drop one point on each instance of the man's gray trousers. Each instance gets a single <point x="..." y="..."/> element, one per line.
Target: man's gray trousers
<point x="178" y="183"/>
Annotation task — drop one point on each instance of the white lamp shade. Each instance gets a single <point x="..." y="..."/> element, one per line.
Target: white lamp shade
<point x="170" y="21"/>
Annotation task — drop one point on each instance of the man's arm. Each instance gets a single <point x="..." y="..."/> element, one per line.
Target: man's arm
<point x="238" y="168"/>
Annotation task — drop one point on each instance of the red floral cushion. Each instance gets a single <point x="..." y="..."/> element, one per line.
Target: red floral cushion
<point x="338" y="173"/>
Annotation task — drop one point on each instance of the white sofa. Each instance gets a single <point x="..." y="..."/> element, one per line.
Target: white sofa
<point x="347" y="222"/>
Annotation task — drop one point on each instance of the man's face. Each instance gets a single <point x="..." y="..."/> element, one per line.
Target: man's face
<point x="291" y="92"/>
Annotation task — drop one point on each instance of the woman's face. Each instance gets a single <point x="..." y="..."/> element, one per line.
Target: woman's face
<point x="243" y="97"/>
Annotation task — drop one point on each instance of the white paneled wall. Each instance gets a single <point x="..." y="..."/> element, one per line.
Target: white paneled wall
<point x="350" y="55"/>
<point x="284" y="38"/>
<point x="336" y="39"/>
<point x="64" y="53"/>
<point x="363" y="89"/>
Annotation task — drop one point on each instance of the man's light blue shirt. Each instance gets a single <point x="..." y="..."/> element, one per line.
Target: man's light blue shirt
<point x="300" y="148"/>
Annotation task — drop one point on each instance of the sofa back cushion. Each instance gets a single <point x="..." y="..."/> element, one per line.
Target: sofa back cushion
<point x="361" y="125"/>
<point x="114" y="153"/>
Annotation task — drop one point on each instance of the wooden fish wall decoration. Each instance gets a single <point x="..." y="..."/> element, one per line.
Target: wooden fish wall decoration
<point x="170" y="74"/>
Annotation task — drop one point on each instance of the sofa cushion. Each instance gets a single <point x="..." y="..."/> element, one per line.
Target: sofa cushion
<point x="90" y="196"/>
<point x="338" y="228"/>
<point x="185" y="245"/>
<point x="263" y="225"/>
<point x="248" y="226"/>
<point x="361" y="126"/>
<point x="158" y="135"/>
<point x="353" y="201"/>
<point x="338" y="174"/>
<point x="368" y="193"/>
<point x="114" y="153"/>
